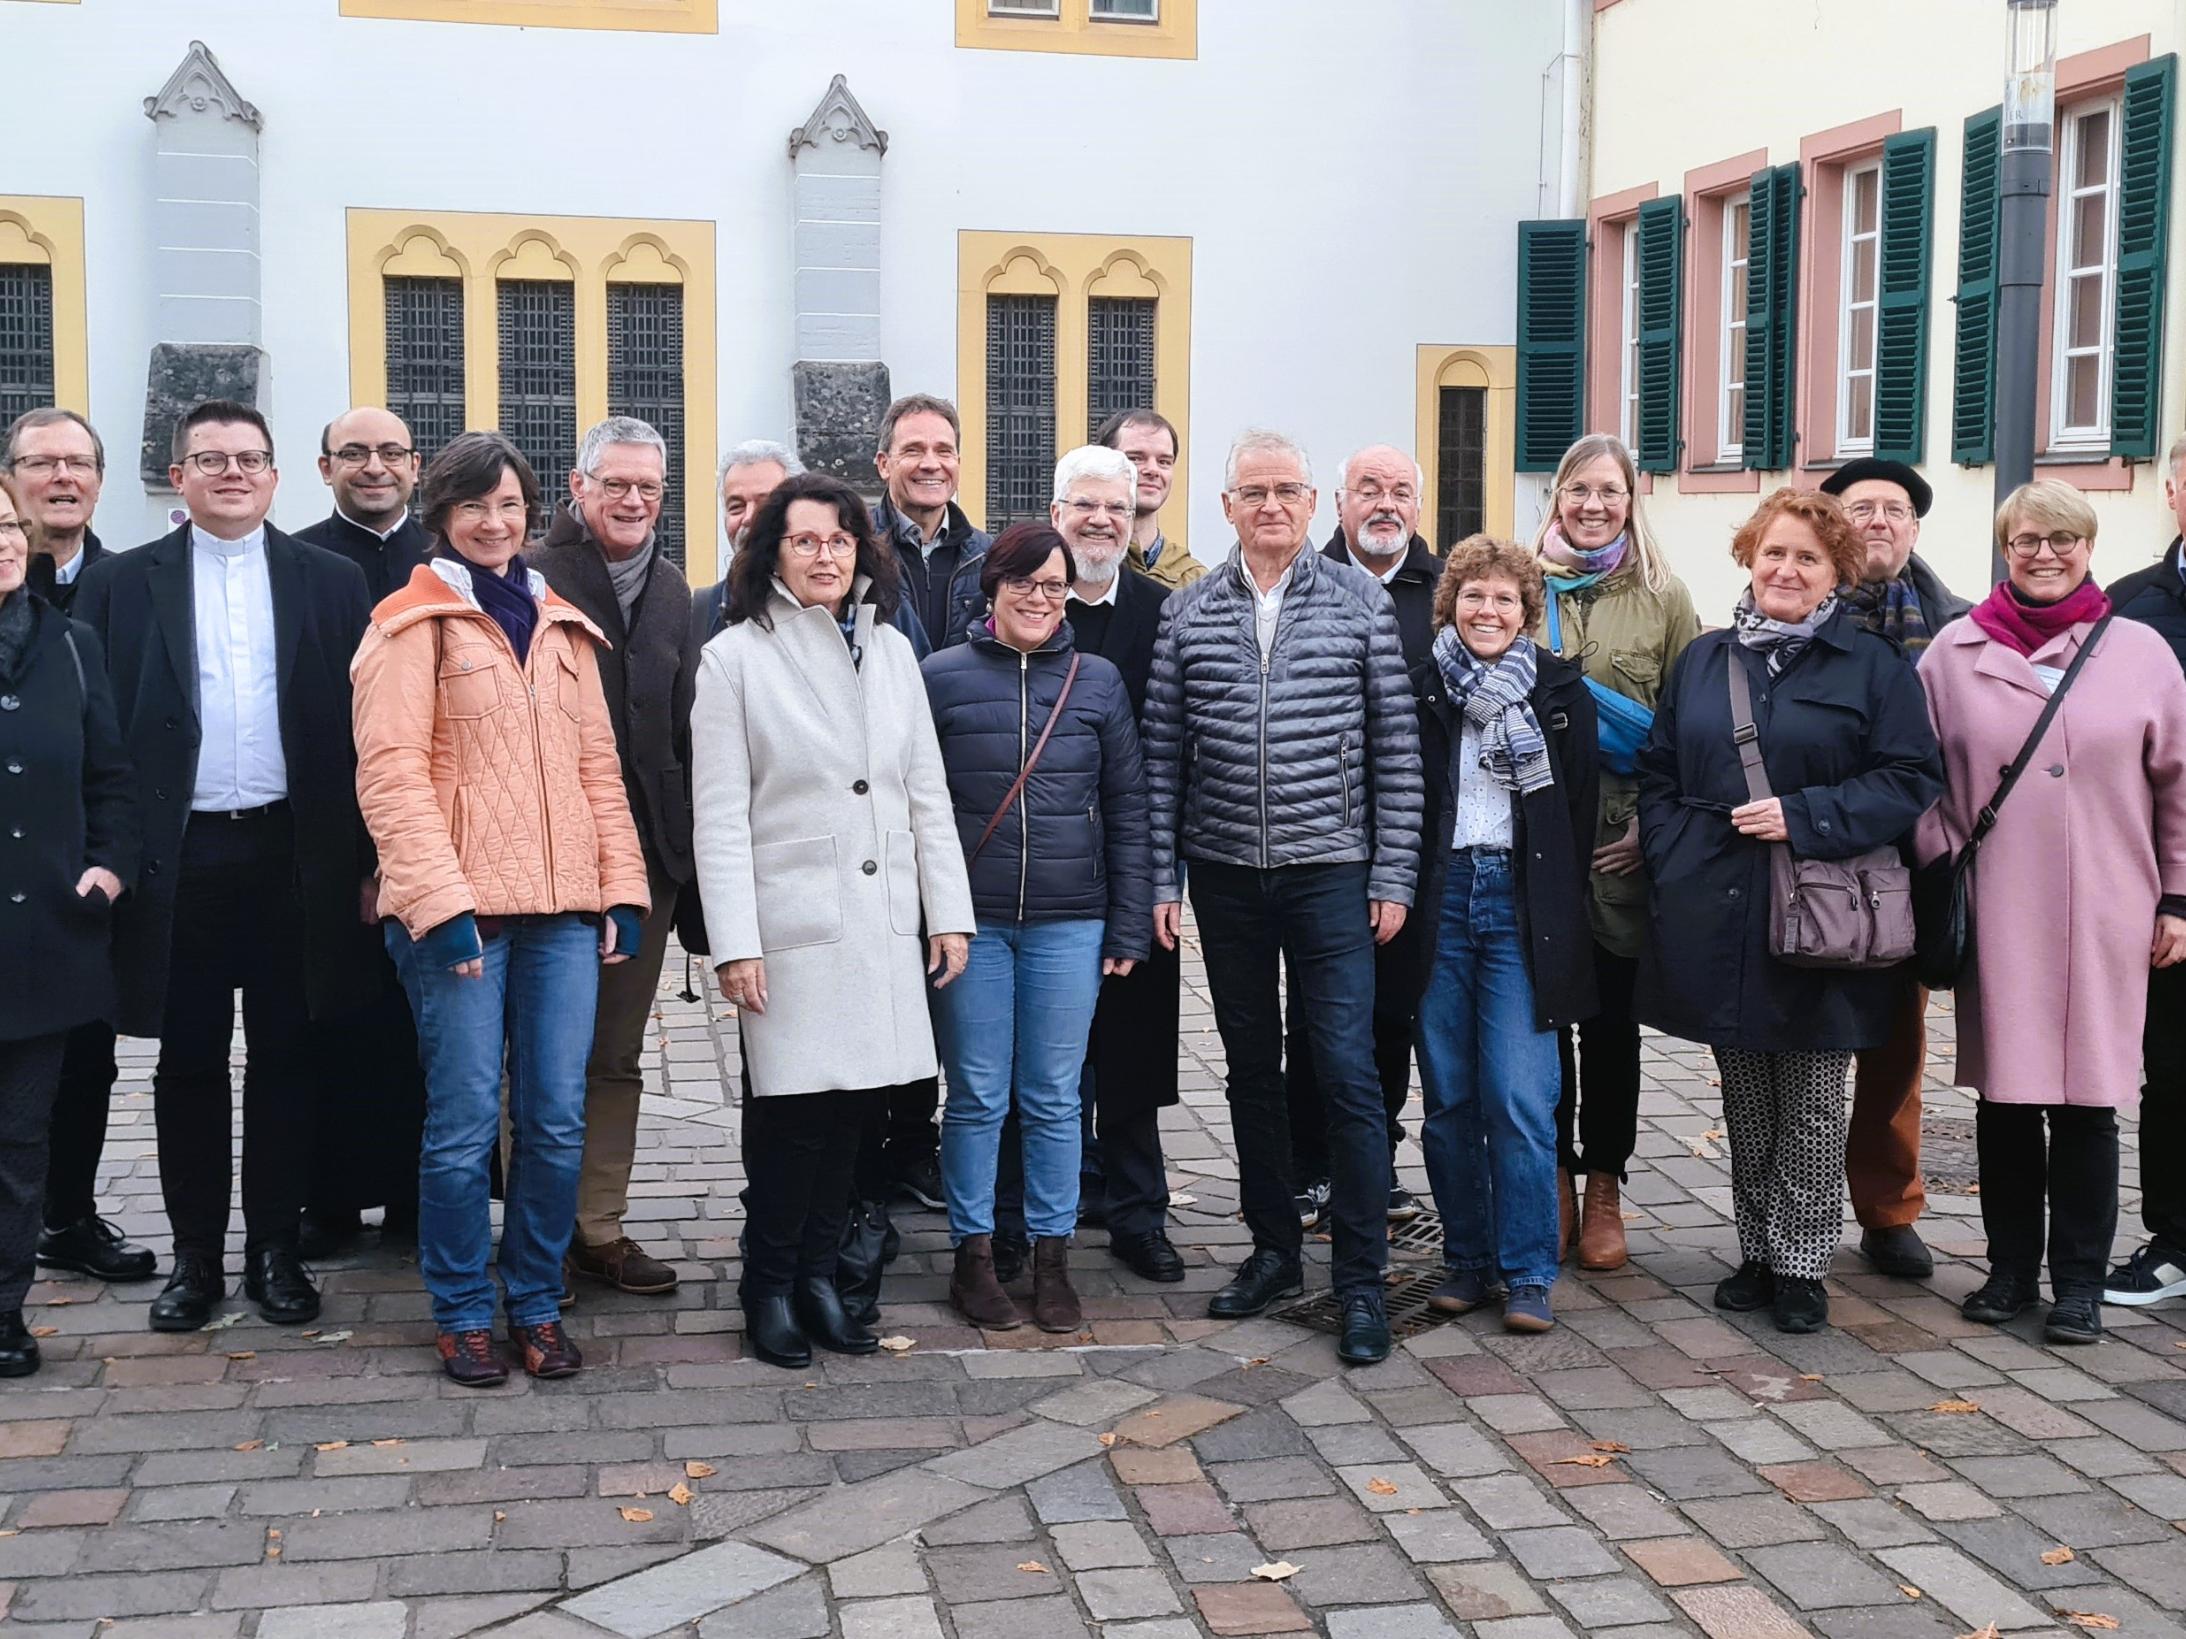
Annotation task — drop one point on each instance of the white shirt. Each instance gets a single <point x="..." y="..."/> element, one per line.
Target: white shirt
<point x="2048" y="676"/>
<point x="1385" y="576"/>
<point x="1268" y="605"/>
<point x="64" y="574"/>
<point x="239" y="759"/>
<point x="1483" y="808"/>
<point x="1108" y="595"/>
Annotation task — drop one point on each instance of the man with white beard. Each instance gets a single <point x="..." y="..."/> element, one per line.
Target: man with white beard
<point x="1377" y="513"/>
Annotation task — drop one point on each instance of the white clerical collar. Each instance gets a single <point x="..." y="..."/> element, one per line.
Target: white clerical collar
<point x="1108" y="593"/>
<point x="384" y="535"/>
<point x="236" y="548"/>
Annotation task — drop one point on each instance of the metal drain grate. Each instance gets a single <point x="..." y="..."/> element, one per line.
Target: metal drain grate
<point x="1421" y="1237"/>
<point x="1406" y="1296"/>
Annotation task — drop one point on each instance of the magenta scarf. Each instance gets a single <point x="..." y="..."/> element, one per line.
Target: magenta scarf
<point x="2024" y="627"/>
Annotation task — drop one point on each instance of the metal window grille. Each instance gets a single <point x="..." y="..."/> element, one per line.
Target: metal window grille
<point x="26" y="338"/>
<point x="1119" y="357"/>
<point x="1020" y="407"/>
<point x="1023" y="8"/>
<point x="1461" y="470"/>
<point x="1126" y="11"/>
<point x="645" y="379"/>
<point x="425" y="359"/>
<point x="538" y="332"/>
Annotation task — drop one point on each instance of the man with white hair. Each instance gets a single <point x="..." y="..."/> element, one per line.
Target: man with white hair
<point x="602" y="552"/>
<point x="750" y="472"/>
<point x="1299" y="808"/>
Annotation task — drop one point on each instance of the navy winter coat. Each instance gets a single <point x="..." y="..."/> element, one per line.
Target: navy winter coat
<point x="2156" y="596"/>
<point x="1846" y="741"/>
<point x="1073" y="845"/>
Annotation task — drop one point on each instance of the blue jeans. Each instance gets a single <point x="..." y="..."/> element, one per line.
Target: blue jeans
<point x="1018" y="1014"/>
<point x="1491" y="1081"/>
<point x="533" y="1006"/>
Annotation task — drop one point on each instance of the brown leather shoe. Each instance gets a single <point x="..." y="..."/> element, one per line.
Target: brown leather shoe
<point x="1567" y="1213"/>
<point x="1601" y="1233"/>
<point x="471" y="1359"/>
<point x="977" y="1295"/>
<point x="622" y="1264"/>
<point x="545" y="1349"/>
<point x="1055" y="1307"/>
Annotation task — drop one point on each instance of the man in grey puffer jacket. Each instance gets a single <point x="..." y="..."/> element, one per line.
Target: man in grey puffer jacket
<point x="1282" y="760"/>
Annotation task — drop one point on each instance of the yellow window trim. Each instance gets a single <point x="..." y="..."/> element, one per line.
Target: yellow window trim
<point x="1175" y="33"/>
<point x="1074" y="267"/>
<point x="44" y="232"/>
<point x="1496" y="369"/>
<point x="639" y="16"/>
<point x="590" y="252"/>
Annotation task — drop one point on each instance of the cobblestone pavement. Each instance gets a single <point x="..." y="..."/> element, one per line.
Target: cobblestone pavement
<point x="1648" y="1468"/>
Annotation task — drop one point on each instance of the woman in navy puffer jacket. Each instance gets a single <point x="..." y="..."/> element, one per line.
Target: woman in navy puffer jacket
<point x="1064" y="895"/>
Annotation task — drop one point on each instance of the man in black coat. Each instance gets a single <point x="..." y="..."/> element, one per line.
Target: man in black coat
<point x="58" y="462"/>
<point x="369" y="461"/>
<point x="602" y="552"/>
<point x="2156" y="596"/>
<point x="1377" y="511"/>
<point x="229" y="644"/>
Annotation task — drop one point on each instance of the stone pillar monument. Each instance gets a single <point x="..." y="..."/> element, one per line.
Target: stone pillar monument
<point x="841" y="384"/>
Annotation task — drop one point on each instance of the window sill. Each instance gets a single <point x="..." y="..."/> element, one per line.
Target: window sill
<point x="1719" y="480"/>
<point x="2086" y="469"/>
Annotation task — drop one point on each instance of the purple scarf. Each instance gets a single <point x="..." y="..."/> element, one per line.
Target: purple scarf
<point x="507" y="601"/>
<point x="2024" y="627"/>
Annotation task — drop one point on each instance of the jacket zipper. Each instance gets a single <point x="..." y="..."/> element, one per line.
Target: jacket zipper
<point x="538" y="758"/>
<point x="1343" y="765"/>
<point x="1267" y="657"/>
<point x="1024" y="797"/>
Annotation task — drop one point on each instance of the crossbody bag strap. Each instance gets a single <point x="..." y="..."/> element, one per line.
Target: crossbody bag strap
<point x="1985" y="822"/>
<point x="1743" y="731"/>
<point x="1009" y="798"/>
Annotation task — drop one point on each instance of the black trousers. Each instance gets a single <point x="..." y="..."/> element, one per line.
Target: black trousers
<point x="2163" y="1111"/>
<point x="1608" y="1060"/>
<point x="30" y="1072"/>
<point x="79" y="1124"/>
<point x="370" y="1119"/>
<point x="800" y="1152"/>
<point x="239" y="925"/>
<point x="911" y="1135"/>
<point x="1400" y="978"/>
<point x="2075" y="1175"/>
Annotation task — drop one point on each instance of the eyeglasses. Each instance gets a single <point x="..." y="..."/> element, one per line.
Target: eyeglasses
<point x="1403" y="494"/>
<point x="212" y="463"/>
<point x="357" y="455"/>
<point x="37" y="466"/>
<point x="620" y="489"/>
<point x="811" y="546"/>
<point x="14" y="526"/>
<point x="1585" y="494"/>
<point x="1861" y="512"/>
<point x="1121" y="511"/>
<point x="1024" y="586"/>
<point x="1256" y="495"/>
<point x="2061" y="542"/>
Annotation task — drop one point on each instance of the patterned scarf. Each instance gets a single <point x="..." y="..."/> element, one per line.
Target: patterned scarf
<point x="1891" y="608"/>
<point x="1781" y="641"/>
<point x="1495" y="697"/>
<point x="1575" y="569"/>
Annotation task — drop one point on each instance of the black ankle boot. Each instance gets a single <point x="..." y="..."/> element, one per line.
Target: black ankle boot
<point x="18" y="1349"/>
<point x="770" y="1327"/>
<point x="819" y="1310"/>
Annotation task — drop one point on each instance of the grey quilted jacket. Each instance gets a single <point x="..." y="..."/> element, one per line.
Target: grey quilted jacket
<point x="1310" y="759"/>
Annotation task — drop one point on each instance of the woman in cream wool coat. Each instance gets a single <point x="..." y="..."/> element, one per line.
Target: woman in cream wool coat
<point x="825" y="843"/>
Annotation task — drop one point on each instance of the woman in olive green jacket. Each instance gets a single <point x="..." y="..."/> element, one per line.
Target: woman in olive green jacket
<point x="1615" y="608"/>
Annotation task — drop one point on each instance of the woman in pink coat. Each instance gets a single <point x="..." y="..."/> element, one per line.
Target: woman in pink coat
<point x="2080" y="888"/>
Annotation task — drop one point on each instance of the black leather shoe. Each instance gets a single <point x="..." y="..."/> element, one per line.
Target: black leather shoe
<point x="1010" y="1257"/>
<point x="1898" y="1251"/>
<point x="1259" y="1281"/>
<point x="18" y="1349"/>
<point x="276" y="1280"/>
<point x="819" y="1311"/>
<point x="1801" y="1305"/>
<point x="92" y="1246"/>
<point x="770" y="1328"/>
<point x="2074" y="1319"/>
<point x="192" y="1292"/>
<point x="327" y="1234"/>
<point x="1999" y="1298"/>
<point x="1364" y="1340"/>
<point x="1149" y="1255"/>
<point x="1753" y="1287"/>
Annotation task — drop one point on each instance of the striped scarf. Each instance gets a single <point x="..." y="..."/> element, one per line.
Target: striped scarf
<point x="1495" y="698"/>
<point x="1892" y="609"/>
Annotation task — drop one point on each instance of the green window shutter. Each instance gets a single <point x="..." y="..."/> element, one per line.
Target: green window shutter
<point x="1973" y="376"/>
<point x="1551" y="341"/>
<point x="1772" y="319"/>
<point x="2144" y="226"/>
<point x="1901" y="328"/>
<point x="1659" y="316"/>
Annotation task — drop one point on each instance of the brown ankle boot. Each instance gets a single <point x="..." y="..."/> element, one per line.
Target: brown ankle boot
<point x="1055" y="1307"/>
<point x="1567" y="1213"/>
<point x="1601" y="1235"/>
<point x="977" y="1295"/>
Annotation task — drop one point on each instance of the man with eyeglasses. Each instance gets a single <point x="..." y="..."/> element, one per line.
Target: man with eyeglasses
<point x="603" y="553"/>
<point x="1148" y="439"/>
<point x="229" y="646"/>
<point x="58" y="462"/>
<point x="369" y="460"/>
<point x="1282" y="761"/>
<point x="1377" y="523"/>
<point x="1904" y="599"/>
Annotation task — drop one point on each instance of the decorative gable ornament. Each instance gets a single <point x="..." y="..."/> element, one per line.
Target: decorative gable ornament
<point x="839" y="119"/>
<point x="197" y="86"/>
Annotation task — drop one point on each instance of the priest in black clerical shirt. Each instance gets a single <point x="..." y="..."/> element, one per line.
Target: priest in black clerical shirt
<point x="369" y="462"/>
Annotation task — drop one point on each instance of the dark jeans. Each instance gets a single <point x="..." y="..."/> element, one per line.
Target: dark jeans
<point x="30" y="1070"/>
<point x="238" y="925"/>
<point x="1312" y="918"/>
<point x="80" y="1111"/>
<point x="800" y="1150"/>
<point x="1400" y="978"/>
<point x="2077" y="1178"/>
<point x="370" y="1124"/>
<point x="1608" y="1060"/>
<point x="2163" y="1111"/>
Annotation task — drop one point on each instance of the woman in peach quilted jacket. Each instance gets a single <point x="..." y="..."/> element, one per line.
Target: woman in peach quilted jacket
<point x="509" y="871"/>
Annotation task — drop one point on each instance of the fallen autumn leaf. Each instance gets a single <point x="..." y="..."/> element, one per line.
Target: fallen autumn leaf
<point x="700" y="1471"/>
<point x="1032" y="1567"/>
<point x="2059" y="1555"/>
<point x="2094" y="1620"/>
<point x="636" y="1516"/>
<point x="1280" y="1571"/>
<point x="1956" y="1408"/>
<point x="681" y="1494"/>
<point x="1381" y="1487"/>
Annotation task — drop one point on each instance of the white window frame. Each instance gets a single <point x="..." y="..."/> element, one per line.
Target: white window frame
<point x="2074" y="267"/>
<point x="1730" y="430"/>
<point x="1628" y="337"/>
<point x="1858" y="247"/>
<point x="1094" y="13"/>
<point x="1024" y="8"/>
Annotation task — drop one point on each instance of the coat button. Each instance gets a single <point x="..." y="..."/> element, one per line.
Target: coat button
<point x="10" y="702"/>
<point x="1734" y="893"/>
<point x="859" y="787"/>
<point x="14" y="766"/>
<point x="171" y="723"/>
<point x="159" y="793"/>
<point x="16" y="898"/>
<point x="2056" y="771"/>
<point x="17" y="833"/>
<point x="151" y="867"/>
<point x="870" y="866"/>
<point x="1822" y="826"/>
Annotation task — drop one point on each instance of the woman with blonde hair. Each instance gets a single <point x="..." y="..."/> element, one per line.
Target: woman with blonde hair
<point x="1613" y="608"/>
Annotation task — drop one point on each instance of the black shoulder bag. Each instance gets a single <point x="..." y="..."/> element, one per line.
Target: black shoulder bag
<point x="1943" y="889"/>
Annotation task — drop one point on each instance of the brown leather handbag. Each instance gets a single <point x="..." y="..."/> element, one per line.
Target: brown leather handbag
<point x="1016" y="790"/>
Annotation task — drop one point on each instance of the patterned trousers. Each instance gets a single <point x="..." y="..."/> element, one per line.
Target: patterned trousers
<point x="1786" y="1116"/>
